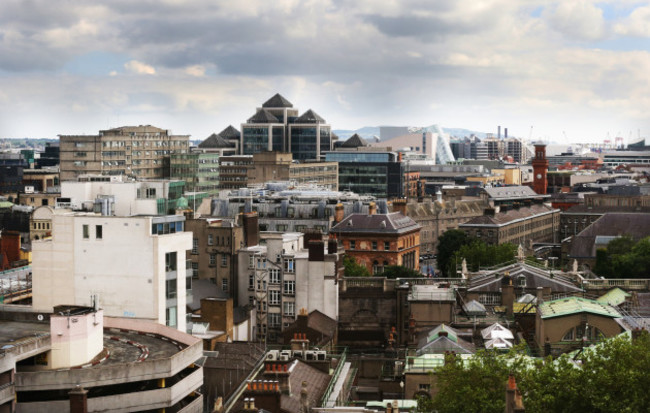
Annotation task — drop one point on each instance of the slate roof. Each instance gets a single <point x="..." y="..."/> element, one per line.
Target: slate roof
<point x="512" y="192"/>
<point x="230" y="133"/>
<point x="277" y="101"/>
<point x="316" y="380"/>
<point x="503" y="218"/>
<point x="474" y="308"/>
<point x="576" y="305"/>
<point x="263" y="116"/>
<point x="535" y="278"/>
<point x="309" y="117"/>
<point x="355" y="141"/>
<point x="322" y="323"/>
<point x="636" y="226"/>
<point x="215" y="141"/>
<point x="393" y="222"/>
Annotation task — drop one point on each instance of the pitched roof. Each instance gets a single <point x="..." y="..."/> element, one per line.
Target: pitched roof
<point x="322" y="323"/>
<point x="507" y="216"/>
<point x="354" y="141"/>
<point x="443" y="344"/>
<point x="496" y="330"/>
<point x="535" y="278"/>
<point x="576" y="305"/>
<point x="263" y="116"/>
<point x="393" y="222"/>
<point x="230" y="133"/>
<point x="277" y="101"/>
<point x="474" y="308"/>
<point x="215" y="141"/>
<point x="309" y="117"/>
<point x="612" y="224"/>
<point x="615" y="297"/>
<point x="512" y="192"/>
<point x="316" y="381"/>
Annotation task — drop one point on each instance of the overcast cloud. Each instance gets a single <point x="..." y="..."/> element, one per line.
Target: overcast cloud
<point x="579" y="67"/>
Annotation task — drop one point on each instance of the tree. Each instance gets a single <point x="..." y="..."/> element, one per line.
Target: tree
<point x="398" y="271"/>
<point x="623" y="258"/>
<point x="448" y="244"/>
<point x="479" y="254"/>
<point x="352" y="269"/>
<point x="611" y="376"/>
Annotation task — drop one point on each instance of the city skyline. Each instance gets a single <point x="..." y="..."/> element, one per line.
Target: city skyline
<point x="573" y="69"/>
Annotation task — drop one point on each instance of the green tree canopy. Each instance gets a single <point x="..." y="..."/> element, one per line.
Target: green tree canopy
<point x="610" y="377"/>
<point x="624" y="258"/>
<point x="448" y="244"/>
<point x="479" y="254"/>
<point x="353" y="269"/>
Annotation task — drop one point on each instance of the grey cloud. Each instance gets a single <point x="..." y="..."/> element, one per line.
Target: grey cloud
<point x="425" y="28"/>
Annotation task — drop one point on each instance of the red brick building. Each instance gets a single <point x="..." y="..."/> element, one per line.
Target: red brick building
<point x="379" y="240"/>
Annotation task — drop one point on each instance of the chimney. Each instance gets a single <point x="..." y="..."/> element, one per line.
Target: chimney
<point x="78" y="400"/>
<point x="316" y="251"/>
<point x="399" y="205"/>
<point x="300" y="341"/>
<point x="508" y="297"/>
<point x="308" y="236"/>
<point x="339" y="213"/>
<point x="389" y="407"/>
<point x="395" y="406"/>
<point x="332" y="246"/>
<point x="304" y="402"/>
<point x="540" y="295"/>
<point x="266" y="393"/>
<point x="514" y="402"/>
<point x="251" y="229"/>
<point x="372" y="208"/>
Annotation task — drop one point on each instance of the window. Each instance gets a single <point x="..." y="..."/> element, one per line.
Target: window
<point x="274" y="276"/>
<point x="274" y="297"/>
<point x="224" y="260"/>
<point x="170" y="289"/>
<point x="290" y="287"/>
<point x="251" y="261"/>
<point x="170" y="261"/>
<point x="353" y="244"/>
<point x="213" y="259"/>
<point x="386" y="245"/>
<point x="86" y="232"/>
<point x="289" y="309"/>
<point x="188" y="285"/>
<point x="224" y="285"/>
<point x="274" y="320"/>
<point x="210" y="239"/>
<point x="195" y="245"/>
<point x="288" y="265"/>
<point x="251" y="281"/>
<point x="98" y="231"/>
<point x="568" y="336"/>
<point x="195" y="269"/>
<point x="170" y="315"/>
<point x="261" y="263"/>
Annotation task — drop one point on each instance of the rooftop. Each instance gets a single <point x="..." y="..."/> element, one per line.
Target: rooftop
<point x="576" y="305"/>
<point x="277" y="101"/>
<point x="393" y="222"/>
<point x="511" y="215"/>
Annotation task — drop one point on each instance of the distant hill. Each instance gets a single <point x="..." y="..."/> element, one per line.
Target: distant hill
<point x="367" y="132"/>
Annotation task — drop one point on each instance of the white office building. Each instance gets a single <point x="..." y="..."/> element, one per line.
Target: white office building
<point x="134" y="265"/>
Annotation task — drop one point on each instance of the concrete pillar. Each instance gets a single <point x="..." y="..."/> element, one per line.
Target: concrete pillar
<point x="78" y="400"/>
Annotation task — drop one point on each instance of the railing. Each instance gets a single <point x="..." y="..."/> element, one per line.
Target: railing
<point x="335" y="377"/>
<point x="625" y="283"/>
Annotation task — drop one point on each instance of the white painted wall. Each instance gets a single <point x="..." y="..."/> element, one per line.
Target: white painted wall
<point x="126" y="268"/>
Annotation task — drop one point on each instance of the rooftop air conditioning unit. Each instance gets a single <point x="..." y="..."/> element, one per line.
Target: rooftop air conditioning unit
<point x="310" y="355"/>
<point x="284" y="357"/>
<point x="321" y="355"/>
<point x="273" y="355"/>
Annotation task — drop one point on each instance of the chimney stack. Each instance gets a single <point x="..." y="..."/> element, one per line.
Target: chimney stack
<point x="399" y="205"/>
<point x="78" y="400"/>
<point x="304" y="402"/>
<point x="372" y="208"/>
<point x="514" y="402"/>
<point x="339" y="213"/>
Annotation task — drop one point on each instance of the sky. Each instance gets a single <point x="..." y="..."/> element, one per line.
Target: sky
<point x="563" y="71"/>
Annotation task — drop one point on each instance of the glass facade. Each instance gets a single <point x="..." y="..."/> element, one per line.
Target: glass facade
<point x="256" y="139"/>
<point x="303" y="143"/>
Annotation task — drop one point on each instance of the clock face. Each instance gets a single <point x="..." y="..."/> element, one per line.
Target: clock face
<point x="539" y="176"/>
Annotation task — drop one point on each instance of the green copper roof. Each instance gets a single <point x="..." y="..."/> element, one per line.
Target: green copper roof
<point x="614" y="296"/>
<point x="576" y="305"/>
<point x="435" y="333"/>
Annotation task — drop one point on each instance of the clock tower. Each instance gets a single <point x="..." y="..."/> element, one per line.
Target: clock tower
<point x="540" y="167"/>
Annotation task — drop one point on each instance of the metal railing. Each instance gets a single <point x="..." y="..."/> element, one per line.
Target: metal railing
<point x="335" y="377"/>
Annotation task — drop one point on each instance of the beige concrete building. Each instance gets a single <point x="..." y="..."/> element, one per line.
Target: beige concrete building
<point x="138" y="151"/>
